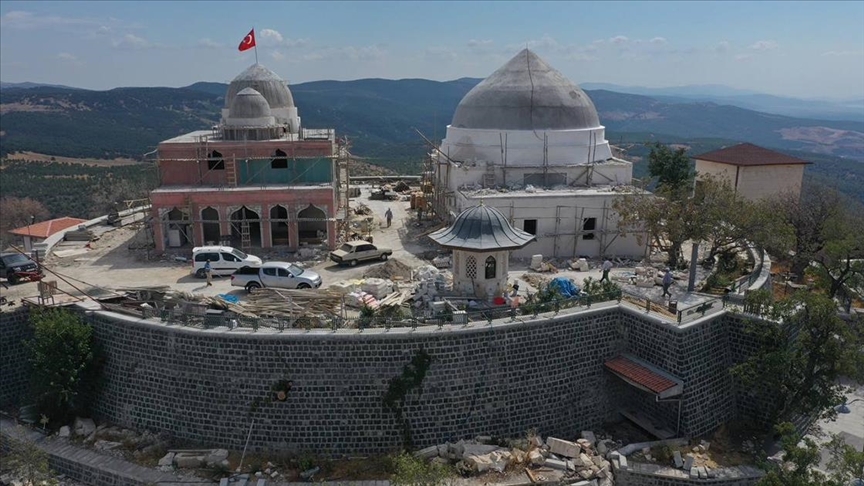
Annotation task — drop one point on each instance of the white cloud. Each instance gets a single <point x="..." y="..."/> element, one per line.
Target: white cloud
<point x="842" y="53"/>
<point x="271" y="35"/>
<point x="659" y="41"/>
<point x="131" y="41"/>
<point x="764" y="45"/>
<point x="65" y="56"/>
<point x="480" y="43"/>
<point x="619" y="40"/>
<point x="722" y="46"/>
<point x="277" y="55"/>
<point x="209" y="43"/>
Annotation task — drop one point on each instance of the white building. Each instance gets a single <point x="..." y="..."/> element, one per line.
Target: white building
<point x="528" y="141"/>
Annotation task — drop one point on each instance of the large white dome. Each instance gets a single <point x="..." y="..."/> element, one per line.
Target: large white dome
<point x="264" y="81"/>
<point x="526" y="94"/>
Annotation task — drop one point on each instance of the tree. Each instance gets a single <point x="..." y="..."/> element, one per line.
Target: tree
<point x="840" y="262"/>
<point x="672" y="169"/>
<point x="801" y="456"/>
<point x="414" y="471"/>
<point x="27" y="462"/>
<point x="801" y="356"/>
<point x="16" y="212"/>
<point x="61" y="353"/>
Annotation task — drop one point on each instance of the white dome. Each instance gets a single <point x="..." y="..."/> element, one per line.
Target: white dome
<point x="264" y="81"/>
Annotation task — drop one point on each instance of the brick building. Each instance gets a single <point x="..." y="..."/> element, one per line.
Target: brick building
<point x="257" y="179"/>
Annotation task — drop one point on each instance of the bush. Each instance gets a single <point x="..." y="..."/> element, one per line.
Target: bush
<point x="61" y="354"/>
<point x="413" y="471"/>
<point x="599" y="291"/>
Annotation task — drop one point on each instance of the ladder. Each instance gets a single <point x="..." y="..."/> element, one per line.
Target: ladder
<point x="231" y="173"/>
<point x="245" y="238"/>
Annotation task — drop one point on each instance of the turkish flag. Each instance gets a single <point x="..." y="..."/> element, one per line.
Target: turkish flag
<point x="248" y="41"/>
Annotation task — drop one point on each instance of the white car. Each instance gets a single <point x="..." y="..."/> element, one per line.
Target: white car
<point x="224" y="260"/>
<point x="282" y="275"/>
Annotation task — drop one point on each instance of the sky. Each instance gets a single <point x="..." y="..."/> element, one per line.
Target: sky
<point x="800" y="49"/>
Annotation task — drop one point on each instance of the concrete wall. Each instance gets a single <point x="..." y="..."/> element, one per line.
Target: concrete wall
<point x="755" y="182"/>
<point x="614" y="172"/>
<point x="14" y="368"/>
<point x="525" y="147"/>
<point x="575" y="207"/>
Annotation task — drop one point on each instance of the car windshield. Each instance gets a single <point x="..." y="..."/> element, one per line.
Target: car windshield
<point x="239" y="254"/>
<point x="14" y="258"/>
<point x="295" y="270"/>
<point x="347" y="248"/>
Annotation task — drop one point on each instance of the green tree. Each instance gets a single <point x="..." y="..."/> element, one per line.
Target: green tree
<point x="672" y="169"/>
<point x="27" y="462"/>
<point x="801" y="456"/>
<point x="61" y="353"/>
<point x="801" y="356"/>
<point x="840" y="262"/>
<point x="413" y="471"/>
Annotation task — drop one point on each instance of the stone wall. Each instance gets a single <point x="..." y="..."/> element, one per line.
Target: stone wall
<point x="208" y="386"/>
<point x="654" y="475"/>
<point x="14" y="368"/>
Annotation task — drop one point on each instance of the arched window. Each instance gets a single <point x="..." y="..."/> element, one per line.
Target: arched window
<point x="490" y="268"/>
<point x="279" y="161"/>
<point x="471" y="267"/>
<point x="215" y="161"/>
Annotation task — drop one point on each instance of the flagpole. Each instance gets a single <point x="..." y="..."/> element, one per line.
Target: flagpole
<point x="256" y="47"/>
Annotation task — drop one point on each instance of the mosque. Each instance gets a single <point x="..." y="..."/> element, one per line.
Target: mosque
<point x="528" y="142"/>
<point x="257" y="179"/>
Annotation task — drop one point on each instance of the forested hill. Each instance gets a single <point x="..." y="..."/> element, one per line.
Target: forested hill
<point x="379" y="115"/>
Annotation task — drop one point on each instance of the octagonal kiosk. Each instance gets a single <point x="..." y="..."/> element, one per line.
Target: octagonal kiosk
<point x="481" y="239"/>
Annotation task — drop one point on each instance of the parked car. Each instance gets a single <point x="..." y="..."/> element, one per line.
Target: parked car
<point x="15" y="266"/>
<point x="224" y="260"/>
<point x="280" y="275"/>
<point x="352" y="252"/>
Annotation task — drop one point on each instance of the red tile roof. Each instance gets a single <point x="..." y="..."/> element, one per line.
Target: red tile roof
<point x="749" y="154"/>
<point x="639" y="374"/>
<point x="44" y="229"/>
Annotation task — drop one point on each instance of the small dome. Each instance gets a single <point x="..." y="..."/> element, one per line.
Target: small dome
<point x="249" y="104"/>
<point x="264" y="81"/>
<point x="526" y="94"/>
<point x="482" y="228"/>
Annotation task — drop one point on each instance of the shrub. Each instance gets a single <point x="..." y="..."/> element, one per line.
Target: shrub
<point x="413" y="471"/>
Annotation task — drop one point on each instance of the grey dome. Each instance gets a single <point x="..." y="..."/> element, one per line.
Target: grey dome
<point x="526" y="94"/>
<point x="482" y="228"/>
<point x="249" y="104"/>
<point x="264" y="81"/>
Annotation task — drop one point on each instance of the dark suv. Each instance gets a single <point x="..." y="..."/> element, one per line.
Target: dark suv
<point x="13" y="266"/>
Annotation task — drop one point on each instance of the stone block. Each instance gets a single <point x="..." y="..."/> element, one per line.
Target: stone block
<point x="477" y="449"/>
<point x="443" y="450"/>
<point x="84" y="426"/>
<point x="106" y="445"/>
<point x="703" y="474"/>
<point x="622" y="462"/>
<point x="167" y="459"/>
<point x="688" y="462"/>
<point x="563" y="447"/>
<point x="556" y="464"/>
<point x="65" y="431"/>
<point x="585" y="474"/>
<point x="536" y="458"/>
<point x="188" y="461"/>
<point x="602" y="448"/>
<point x="518" y="455"/>
<point x="694" y="473"/>
<point x="590" y="437"/>
<point x="584" y="461"/>
<point x="427" y="453"/>
<point x="216" y="456"/>
<point x="712" y="473"/>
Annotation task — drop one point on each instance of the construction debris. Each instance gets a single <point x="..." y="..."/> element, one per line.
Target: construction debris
<point x="392" y="269"/>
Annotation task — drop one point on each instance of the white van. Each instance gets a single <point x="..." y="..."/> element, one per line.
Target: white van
<point x="224" y="260"/>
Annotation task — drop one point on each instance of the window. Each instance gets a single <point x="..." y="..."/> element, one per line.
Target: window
<point x="490" y="268"/>
<point x="270" y="272"/>
<point x="230" y="258"/>
<point x="207" y="257"/>
<point x="530" y="226"/>
<point x="215" y="161"/>
<point x="588" y="224"/>
<point x="280" y="160"/>
<point x="366" y="248"/>
<point x="284" y="273"/>
<point x="550" y="179"/>
<point x="471" y="267"/>
<point x="239" y="254"/>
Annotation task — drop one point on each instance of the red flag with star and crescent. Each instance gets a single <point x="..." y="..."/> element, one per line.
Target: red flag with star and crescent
<point x="248" y="41"/>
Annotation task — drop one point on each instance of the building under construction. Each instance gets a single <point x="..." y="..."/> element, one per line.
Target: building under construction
<point x="258" y="179"/>
<point x="528" y="141"/>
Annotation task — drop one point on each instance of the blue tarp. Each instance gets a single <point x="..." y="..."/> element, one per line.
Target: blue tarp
<point x="564" y="286"/>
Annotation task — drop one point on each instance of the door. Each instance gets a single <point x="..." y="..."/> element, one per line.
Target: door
<point x="269" y="277"/>
<point x="365" y="252"/>
<point x="229" y="263"/>
<point x="286" y="279"/>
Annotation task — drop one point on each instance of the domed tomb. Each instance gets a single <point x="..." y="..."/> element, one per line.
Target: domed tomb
<point x="264" y="81"/>
<point x="526" y="94"/>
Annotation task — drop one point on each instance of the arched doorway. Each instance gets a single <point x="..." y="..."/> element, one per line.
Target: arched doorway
<point x="215" y="161"/>
<point x="177" y="228"/>
<point x="245" y="218"/>
<point x="279" y="225"/>
<point x="312" y="225"/>
<point x="210" y="226"/>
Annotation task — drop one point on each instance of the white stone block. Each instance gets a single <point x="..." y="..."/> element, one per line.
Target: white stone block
<point x="563" y="447"/>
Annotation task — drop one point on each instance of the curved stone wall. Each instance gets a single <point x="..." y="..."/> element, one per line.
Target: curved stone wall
<point x="209" y="386"/>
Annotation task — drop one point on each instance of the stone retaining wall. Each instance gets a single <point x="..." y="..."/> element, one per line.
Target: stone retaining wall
<point x="14" y="367"/>
<point x="654" y="475"/>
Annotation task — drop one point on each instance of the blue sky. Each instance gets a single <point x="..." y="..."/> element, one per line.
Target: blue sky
<point x="802" y="49"/>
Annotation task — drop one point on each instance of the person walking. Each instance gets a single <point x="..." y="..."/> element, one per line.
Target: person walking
<point x="208" y="272"/>
<point x="667" y="281"/>
<point x="389" y="216"/>
<point x="607" y="265"/>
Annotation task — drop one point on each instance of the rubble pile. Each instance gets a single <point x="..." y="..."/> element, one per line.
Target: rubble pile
<point x="573" y="462"/>
<point x="392" y="269"/>
<point x="431" y="282"/>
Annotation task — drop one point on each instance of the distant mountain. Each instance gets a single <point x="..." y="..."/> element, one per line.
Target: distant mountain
<point x="852" y="110"/>
<point x="28" y="85"/>
<point x="379" y="116"/>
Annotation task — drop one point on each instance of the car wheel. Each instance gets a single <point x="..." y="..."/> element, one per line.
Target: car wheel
<point x="250" y="287"/>
<point x="303" y="286"/>
<point x="200" y="273"/>
<point x="383" y="257"/>
<point x="353" y="263"/>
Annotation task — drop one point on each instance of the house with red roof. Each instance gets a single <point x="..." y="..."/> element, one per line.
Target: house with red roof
<point x="754" y="172"/>
<point x="38" y="232"/>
